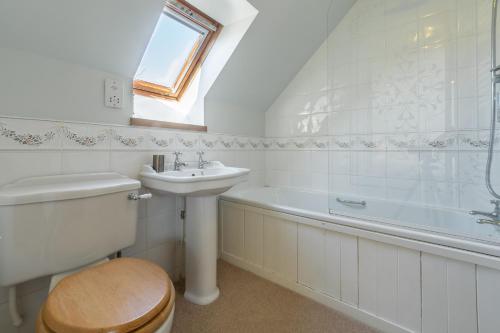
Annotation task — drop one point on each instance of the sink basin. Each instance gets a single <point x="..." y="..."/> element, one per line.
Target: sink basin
<point x="212" y="180"/>
<point x="200" y="187"/>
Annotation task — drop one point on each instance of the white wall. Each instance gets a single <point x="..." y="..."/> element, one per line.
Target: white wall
<point x="233" y="119"/>
<point x="48" y="88"/>
<point x="36" y="86"/>
<point x="401" y="92"/>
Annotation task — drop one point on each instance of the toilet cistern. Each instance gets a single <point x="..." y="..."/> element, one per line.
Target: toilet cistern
<point x="54" y="224"/>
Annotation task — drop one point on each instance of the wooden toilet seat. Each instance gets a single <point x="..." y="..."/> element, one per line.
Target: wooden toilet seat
<point x="123" y="295"/>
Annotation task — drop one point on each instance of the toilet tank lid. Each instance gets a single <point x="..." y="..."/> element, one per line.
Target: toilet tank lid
<point x="64" y="187"/>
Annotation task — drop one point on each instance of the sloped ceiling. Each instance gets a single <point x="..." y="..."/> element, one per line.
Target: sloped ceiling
<point x="110" y="35"/>
<point x="282" y="38"/>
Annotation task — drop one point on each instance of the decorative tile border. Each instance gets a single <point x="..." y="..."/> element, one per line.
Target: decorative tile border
<point x="402" y="142"/>
<point x="123" y="139"/>
<point x="162" y="143"/>
<point x="477" y="140"/>
<point x="369" y="142"/>
<point x="439" y="141"/>
<point x="28" y="139"/>
<point x="341" y="142"/>
<point x="39" y="134"/>
<point x="83" y="140"/>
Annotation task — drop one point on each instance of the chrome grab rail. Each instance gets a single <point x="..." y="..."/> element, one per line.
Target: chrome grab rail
<point x="352" y="202"/>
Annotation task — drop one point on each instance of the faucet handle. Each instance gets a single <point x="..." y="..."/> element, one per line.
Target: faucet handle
<point x="177" y="154"/>
<point x="200" y="153"/>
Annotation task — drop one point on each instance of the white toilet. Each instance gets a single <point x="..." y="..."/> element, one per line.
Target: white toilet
<point x="66" y="226"/>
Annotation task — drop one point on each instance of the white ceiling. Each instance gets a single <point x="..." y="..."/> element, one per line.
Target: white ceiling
<point x="282" y="38"/>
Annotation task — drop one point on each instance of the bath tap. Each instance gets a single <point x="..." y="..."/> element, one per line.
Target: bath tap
<point x="201" y="162"/>
<point x="177" y="163"/>
<point x="494" y="217"/>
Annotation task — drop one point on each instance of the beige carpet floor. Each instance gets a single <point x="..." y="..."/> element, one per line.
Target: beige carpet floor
<point x="249" y="303"/>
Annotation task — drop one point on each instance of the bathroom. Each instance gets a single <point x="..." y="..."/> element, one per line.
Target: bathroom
<point x="249" y="166"/>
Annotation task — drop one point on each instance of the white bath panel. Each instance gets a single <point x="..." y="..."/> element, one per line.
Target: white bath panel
<point x="280" y="247"/>
<point x="409" y="297"/>
<point x="389" y="283"/>
<point x="400" y="289"/>
<point x="311" y="257"/>
<point x="462" y="298"/>
<point x="349" y="269"/>
<point x="488" y="299"/>
<point x="254" y="234"/>
<point x="368" y="276"/>
<point x="448" y="295"/>
<point x="333" y="258"/>
<point x="319" y="260"/>
<point x="233" y="228"/>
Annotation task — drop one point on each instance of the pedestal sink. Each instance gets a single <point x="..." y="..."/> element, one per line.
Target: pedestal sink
<point x="201" y="187"/>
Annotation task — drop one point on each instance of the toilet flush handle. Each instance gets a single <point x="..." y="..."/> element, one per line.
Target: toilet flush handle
<point x="135" y="196"/>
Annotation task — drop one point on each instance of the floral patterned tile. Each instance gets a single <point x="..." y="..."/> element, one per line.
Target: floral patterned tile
<point x="369" y="142"/>
<point x="227" y="142"/>
<point x="299" y="143"/>
<point x="209" y="142"/>
<point x="241" y="143"/>
<point x="320" y="143"/>
<point x="282" y="143"/>
<point x="256" y="143"/>
<point x="20" y="134"/>
<point x="402" y="142"/>
<point x="187" y="141"/>
<point x="85" y="137"/>
<point x="124" y="138"/>
<point x="268" y="143"/>
<point x="159" y="139"/>
<point x="439" y="141"/>
<point x="476" y="140"/>
<point x="341" y="142"/>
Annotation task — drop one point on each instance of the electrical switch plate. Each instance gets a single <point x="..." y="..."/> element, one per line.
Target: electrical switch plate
<point x="113" y="93"/>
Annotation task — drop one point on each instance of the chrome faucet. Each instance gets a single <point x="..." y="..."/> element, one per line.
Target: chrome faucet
<point x="177" y="163"/>
<point x="201" y="162"/>
<point x="493" y="217"/>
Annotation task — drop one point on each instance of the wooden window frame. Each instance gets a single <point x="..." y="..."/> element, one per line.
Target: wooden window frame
<point x="167" y="124"/>
<point x="191" y="66"/>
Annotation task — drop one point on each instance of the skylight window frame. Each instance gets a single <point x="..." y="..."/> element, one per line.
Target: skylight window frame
<point x="187" y="14"/>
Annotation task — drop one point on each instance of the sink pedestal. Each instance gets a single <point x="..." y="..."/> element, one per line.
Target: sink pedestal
<point x="200" y="187"/>
<point x="201" y="249"/>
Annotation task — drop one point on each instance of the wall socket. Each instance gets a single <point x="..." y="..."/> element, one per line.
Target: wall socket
<point x="113" y="93"/>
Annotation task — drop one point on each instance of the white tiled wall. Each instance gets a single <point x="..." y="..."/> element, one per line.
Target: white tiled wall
<point x="400" y="91"/>
<point x="33" y="148"/>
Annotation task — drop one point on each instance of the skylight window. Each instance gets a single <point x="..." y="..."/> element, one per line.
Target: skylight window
<point x="181" y="41"/>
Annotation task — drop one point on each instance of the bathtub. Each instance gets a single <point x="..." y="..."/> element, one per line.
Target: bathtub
<point x="447" y="227"/>
<point x="396" y="267"/>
